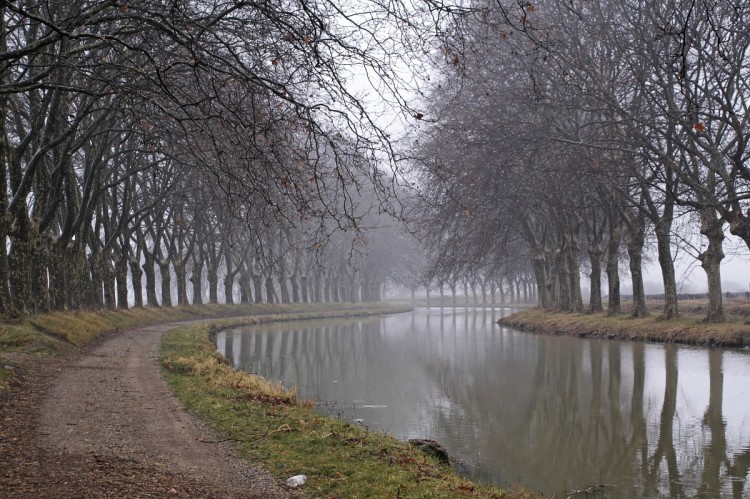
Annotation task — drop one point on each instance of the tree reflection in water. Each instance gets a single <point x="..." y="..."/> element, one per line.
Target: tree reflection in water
<point x="555" y="413"/>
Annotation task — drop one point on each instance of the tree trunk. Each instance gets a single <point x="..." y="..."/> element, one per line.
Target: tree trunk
<point x="181" y="277"/>
<point x="93" y="288"/>
<point x="595" y="300"/>
<point x="574" y="266"/>
<point x="540" y="274"/>
<point x="6" y="304"/>
<point x="563" y="271"/>
<point x="304" y="288"/>
<point x="229" y="288"/>
<point x="135" y="276"/>
<point x="77" y="276"/>
<point x="614" y="303"/>
<point x="518" y="290"/>
<point x="316" y="287"/>
<point x="196" y="279"/>
<point x="283" y="287"/>
<point x="270" y="291"/>
<point x="166" y="283"/>
<point x="150" y="272"/>
<point x="19" y="266"/>
<point x="56" y="270"/>
<point x="664" y="250"/>
<point x="295" y="289"/>
<point x="246" y="294"/>
<point x="213" y="283"/>
<point x="335" y="290"/>
<point x="121" y="276"/>
<point x="711" y="227"/>
<point x="636" y="240"/>
<point x="258" y="287"/>
<point x="108" y="278"/>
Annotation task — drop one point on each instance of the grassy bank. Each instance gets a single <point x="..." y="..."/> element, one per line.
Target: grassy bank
<point x="287" y="437"/>
<point x="688" y="329"/>
<point x="58" y="331"/>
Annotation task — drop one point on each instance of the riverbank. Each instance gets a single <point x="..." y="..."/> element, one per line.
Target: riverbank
<point x="58" y="332"/>
<point x="271" y="426"/>
<point x="688" y="329"/>
<point x="78" y="414"/>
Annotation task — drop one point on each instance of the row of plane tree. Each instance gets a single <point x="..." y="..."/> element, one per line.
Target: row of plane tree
<point x="216" y="144"/>
<point x="574" y="136"/>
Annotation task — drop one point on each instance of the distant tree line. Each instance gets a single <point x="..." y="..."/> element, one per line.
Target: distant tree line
<point x="569" y="137"/>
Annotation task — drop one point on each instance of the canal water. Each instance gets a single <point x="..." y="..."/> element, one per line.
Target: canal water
<point x="557" y="414"/>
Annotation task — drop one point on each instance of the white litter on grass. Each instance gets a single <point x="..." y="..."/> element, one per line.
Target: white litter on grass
<point x="296" y="481"/>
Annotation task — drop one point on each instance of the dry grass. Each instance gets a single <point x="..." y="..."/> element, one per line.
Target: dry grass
<point x="60" y="330"/>
<point x="218" y="374"/>
<point x="687" y="329"/>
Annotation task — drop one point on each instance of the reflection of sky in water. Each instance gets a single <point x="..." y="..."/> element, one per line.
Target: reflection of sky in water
<point x="550" y="412"/>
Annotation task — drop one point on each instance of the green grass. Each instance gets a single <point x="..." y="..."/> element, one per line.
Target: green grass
<point x="286" y="437"/>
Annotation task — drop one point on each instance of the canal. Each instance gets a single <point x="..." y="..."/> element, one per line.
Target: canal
<point x="557" y="414"/>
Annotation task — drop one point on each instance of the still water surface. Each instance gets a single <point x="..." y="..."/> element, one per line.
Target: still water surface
<point x="554" y="413"/>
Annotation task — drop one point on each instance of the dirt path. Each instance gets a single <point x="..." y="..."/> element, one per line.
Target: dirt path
<point x="106" y="425"/>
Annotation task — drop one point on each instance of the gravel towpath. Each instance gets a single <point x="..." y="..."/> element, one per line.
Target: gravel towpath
<point x="102" y="423"/>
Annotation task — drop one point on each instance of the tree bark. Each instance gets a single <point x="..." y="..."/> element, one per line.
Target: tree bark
<point x="135" y="275"/>
<point x="304" y="285"/>
<point x="614" y="302"/>
<point x="636" y="241"/>
<point x="181" y="281"/>
<point x="295" y="289"/>
<point x="270" y="291"/>
<point x="121" y="276"/>
<point x="712" y="228"/>
<point x="109" y="278"/>
<point x="574" y="266"/>
<point x="258" y="287"/>
<point x="283" y="288"/>
<point x="595" y="256"/>
<point x="166" y="283"/>
<point x="664" y="250"/>
<point x="213" y="284"/>
<point x="149" y="262"/>
<point x="246" y="294"/>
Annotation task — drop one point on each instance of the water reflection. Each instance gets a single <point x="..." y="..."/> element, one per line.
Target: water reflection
<point x="554" y="413"/>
